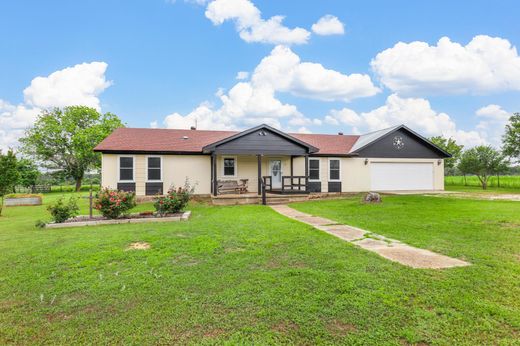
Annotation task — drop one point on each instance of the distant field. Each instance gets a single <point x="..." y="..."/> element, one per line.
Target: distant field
<point x="506" y="181"/>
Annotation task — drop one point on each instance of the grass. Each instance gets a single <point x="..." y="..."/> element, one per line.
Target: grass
<point x="245" y="274"/>
<point x="506" y="181"/>
<point x="478" y="190"/>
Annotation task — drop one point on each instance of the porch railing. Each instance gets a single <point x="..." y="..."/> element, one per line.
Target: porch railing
<point x="268" y="182"/>
<point x="292" y="183"/>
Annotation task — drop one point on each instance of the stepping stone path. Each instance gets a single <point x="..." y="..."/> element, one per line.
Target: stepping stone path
<point x="388" y="248"/>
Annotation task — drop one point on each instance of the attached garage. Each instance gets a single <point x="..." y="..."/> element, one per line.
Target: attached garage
<point x="395" y="176"/>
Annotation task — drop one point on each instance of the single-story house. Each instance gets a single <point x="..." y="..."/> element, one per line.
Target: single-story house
<point x="149" y="161"/>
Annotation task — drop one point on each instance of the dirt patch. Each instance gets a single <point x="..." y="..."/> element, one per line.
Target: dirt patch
<point x="340" y="328"/>
<point x="285" y="327"/>
<point x="140" y="245"/>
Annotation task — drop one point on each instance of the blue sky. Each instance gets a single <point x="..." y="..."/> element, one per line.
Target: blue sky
<point x="169" y="64"/>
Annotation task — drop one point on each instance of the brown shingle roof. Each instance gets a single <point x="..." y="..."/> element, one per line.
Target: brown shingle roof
<point x="170" y="140"/>
<point x="328" y="144"/>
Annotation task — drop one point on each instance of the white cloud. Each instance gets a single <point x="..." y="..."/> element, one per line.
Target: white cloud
<point x="251" y="102"/>
<point x="77" y="85"/>
<point x="415" y="113"/>
<point x="241" y="75"/>
<point x="491" y="126"/>
<point x="285" y="72"/>
<point x="328" y="25"/>
<point x="250" y="25"/>
<point x="486" y="64"/>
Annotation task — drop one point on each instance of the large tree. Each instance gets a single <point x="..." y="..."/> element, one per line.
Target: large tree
<point x="482" y="161"/>
<point x="8" y="175"/>
<point x="449" y="145"/>
<point x="64" y="138"/>
<point x="511" y="139"/>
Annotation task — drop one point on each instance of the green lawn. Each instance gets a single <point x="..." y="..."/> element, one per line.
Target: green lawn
<point x="248" y="275"/>
<point x="479" y="190"/>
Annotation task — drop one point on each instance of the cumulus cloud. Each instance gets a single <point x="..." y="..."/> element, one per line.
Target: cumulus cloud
<point x="285" y="72"/>
<point x="77" y="85"/>
<point x="328" y="25"/>
<point x="413" y="112"/>
<point x="250" y="25"/>
<point x="486" y="64"/>
<point x="492" y="122"/>
<point x="253" y="101"/>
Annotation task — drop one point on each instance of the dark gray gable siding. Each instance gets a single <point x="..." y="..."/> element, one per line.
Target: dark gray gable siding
<point x="414" y="147"/>
<point x="254" y="143"/>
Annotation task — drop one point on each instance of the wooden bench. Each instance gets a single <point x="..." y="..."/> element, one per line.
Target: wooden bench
<point x="232" y="186"/>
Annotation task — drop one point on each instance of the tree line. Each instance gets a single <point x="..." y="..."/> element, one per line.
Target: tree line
<point x="483" y="161"/>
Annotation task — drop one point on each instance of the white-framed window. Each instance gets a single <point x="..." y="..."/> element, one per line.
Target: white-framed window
<point x="126" y="167"/>
<point x="154" y="168"/>
<point x="334" y="169"/>
<point x="314" y="169"/>
<point x="229" y="166"/>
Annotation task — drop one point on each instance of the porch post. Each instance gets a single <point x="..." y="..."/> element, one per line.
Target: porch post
<point x="259" y="158"/>
<point x="214" y="173"/>
<point x="306" y="172"/>
<point x="292" y="167"/>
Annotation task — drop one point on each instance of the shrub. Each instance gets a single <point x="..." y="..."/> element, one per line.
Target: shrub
<point x="60" y="211"/>
<point x="175" y="200"/>
<point x="113" y="203"/>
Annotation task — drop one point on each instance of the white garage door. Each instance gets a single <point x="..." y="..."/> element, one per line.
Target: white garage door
<point x="387" y="176"/>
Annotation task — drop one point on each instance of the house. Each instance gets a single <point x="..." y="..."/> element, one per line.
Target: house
<point x="149" y="161"/>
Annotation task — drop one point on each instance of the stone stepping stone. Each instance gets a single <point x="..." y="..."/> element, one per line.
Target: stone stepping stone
<point x="388" y="248"/>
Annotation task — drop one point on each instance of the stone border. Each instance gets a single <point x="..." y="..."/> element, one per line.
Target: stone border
<point x="184" y="217"/>
<point x="23" y="201"/>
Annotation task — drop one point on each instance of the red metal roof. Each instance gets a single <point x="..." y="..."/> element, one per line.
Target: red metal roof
<point x="192" y="141"/>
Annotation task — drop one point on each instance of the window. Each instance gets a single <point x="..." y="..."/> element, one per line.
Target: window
<point x="314" y="169"/>
<point x="126" y="168"/>
<point x="154" y="168"/>
<point x="229" y="166"/>
<point x="334" y="169"/>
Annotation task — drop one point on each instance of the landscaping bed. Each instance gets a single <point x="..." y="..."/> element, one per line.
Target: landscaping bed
<point x="19" y="200"/>
<point x="97" y="220"/>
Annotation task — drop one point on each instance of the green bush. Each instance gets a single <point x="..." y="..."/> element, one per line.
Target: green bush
<point x="175" y="200"/>
<point x="113" y="203"/>
<point x="60" y="211"/>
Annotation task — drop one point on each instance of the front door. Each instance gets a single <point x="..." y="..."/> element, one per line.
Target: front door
<point x="276" y="173"/>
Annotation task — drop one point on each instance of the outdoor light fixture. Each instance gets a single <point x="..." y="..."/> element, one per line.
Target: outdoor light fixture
<point x="366" y="162"/>
<point x="439" y="161"/>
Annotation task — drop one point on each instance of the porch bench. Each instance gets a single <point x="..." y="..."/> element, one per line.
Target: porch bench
<point x="232" y="186"/>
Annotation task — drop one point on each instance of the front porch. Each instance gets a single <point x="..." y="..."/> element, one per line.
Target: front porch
<point x="261" y="160"/>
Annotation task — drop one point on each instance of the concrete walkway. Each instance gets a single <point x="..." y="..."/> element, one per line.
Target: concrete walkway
<point x="388" y="248"/>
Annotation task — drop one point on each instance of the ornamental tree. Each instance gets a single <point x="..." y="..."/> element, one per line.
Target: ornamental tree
<point x="64" y="139"/>
<point x="482" y="161"/>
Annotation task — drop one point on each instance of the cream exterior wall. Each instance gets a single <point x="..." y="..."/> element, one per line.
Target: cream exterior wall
<point x="355" y="175"/>
<point x="175" y="169"/>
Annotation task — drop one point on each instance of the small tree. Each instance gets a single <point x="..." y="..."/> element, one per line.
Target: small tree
<point x="29" y="173"/>
<point x="483" y="161"/>
<point x="65" y="138"/>
<point x="450" y="146"/>
<point x="8" y="175"/>
<point x="511" y="138"/>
